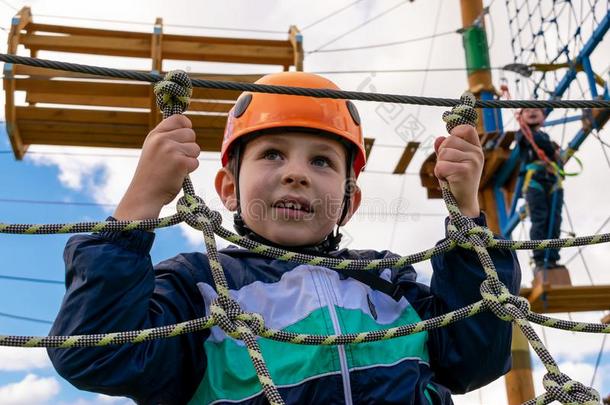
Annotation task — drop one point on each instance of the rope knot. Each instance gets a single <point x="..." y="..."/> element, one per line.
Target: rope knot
<point x="463" y="113"/>
<point x="567" y="391"/>
<point x="501" y="302"/>
<point x="173" y="93"/>
<point x="195" y="212"/>
<point x="233" y="321"/>
<point x="463" y="231"/>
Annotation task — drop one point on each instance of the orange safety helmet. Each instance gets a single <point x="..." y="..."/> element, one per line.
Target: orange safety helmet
<point x="258" y="111"/>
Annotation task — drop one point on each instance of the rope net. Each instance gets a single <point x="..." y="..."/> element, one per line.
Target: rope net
<point x="547" y="36"/>
<point x="173" y="95"/>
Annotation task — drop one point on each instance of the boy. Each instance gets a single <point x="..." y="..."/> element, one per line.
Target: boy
<point x="287" y="163"/>
<point x="542" y="186"/>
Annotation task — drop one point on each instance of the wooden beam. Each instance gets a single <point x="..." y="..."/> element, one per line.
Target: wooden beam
<point x="80" y="115"/>
<point x="122" y="129"/>
<point x="296" y="39"/>
<point x="156" y="54"/>
<point x="89" y="44"/>
<point x="208" y="139"/>
<point x="19" y="22"/>
<point x="69" y="87"/>
<point x="405" y="158"/>
<point x="121" y="102"/>
<point x="228" y="53"/>
<point x="553" y="299"/>
<point x="173" y="48"/>
<point x="94" y="32"/>
<point x="44" y="73"/>
<point x="84" y="100"/>
<point x="368" y="146"/>
<point x="95" y="117"/>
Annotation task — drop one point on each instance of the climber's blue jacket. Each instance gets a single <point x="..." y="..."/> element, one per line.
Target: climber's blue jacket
<point x="112" y="286"/>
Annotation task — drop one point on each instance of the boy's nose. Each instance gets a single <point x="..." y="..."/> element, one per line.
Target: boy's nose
<point x="294" y="177"/>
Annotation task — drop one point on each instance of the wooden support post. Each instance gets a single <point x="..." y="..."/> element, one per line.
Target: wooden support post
<point x="519" y="381"/>
<point x="296" y="39"/>
<point x="156" y="54"/>
<point x="19" y="22"/>
<point x="10" y="112"/>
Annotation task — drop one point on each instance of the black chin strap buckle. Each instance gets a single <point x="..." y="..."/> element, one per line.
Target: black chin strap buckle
<point x="239" y="225"/>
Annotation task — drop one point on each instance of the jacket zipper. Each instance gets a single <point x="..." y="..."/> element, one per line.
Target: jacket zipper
<point x="347" y="390"/>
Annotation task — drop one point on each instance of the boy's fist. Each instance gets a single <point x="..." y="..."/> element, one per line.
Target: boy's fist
<point x="459" y="157"/>
<point x="169" y="154"/>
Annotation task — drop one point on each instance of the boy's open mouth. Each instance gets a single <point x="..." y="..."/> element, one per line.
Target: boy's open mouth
<point x="293" y="204"/>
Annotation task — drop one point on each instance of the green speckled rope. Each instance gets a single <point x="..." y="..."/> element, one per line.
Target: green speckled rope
<point x="173" y="96"/>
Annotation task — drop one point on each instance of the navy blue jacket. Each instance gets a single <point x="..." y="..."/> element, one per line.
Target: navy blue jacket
<point x="112" y="286"/>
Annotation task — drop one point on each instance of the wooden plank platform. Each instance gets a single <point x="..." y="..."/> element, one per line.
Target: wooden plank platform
<point x="137" y="44"/>
<point x="553" y="299"/>
<point x="76" y="109"/>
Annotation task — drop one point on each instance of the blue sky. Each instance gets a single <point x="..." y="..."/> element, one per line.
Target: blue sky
<point x="25" y="374"/>
<point x="41" y="256"/>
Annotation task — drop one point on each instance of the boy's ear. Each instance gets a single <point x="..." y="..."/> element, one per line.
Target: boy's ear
<point x="225" y="187"/>
<point x="354" y="204"/>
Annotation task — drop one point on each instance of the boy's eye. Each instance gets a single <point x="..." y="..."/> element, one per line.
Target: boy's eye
<point x="321" y="161"/>
<point x="272" y="155"/>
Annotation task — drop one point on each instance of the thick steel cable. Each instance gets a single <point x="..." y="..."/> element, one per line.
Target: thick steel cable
<point x="300" y="91"/>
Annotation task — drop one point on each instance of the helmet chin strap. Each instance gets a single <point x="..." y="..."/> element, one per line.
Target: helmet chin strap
<point x="328" y="245"/>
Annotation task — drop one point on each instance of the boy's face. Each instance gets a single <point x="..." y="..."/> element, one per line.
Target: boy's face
<point x="532" y="116"/>
<point x="291" y="187"/>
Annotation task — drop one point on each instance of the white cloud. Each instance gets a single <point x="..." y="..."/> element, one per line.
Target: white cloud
<point x="76" y="172"/>
<point x="15" y="358"/>
<point x="32" y="390"/>
<point x="577" y="371"/>
<point x="493" y="393"/>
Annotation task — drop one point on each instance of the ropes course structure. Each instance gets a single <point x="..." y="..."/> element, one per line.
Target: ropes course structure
<point x="173" y="95"/>
<point x="551" y="45"/>
<point x="535" y="81"/>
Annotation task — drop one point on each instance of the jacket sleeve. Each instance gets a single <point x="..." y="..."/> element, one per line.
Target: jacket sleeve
<point x="473" y="352"/>
<point x="112" y="286"/>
